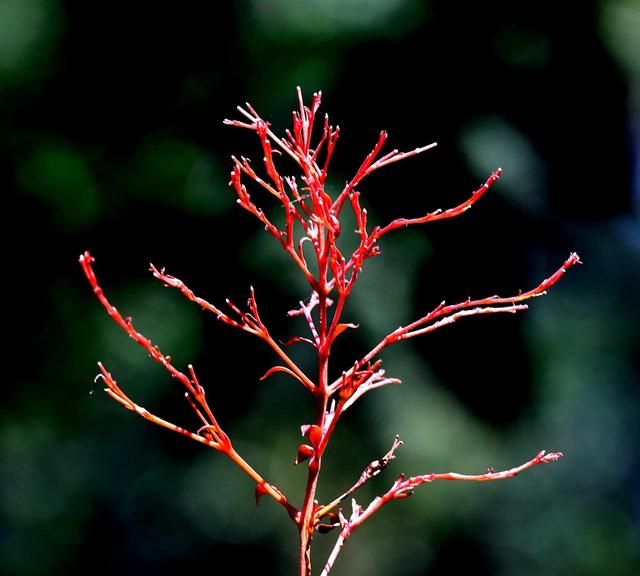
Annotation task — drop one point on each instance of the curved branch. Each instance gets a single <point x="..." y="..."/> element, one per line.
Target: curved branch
<point x="86" y="261"/>
<point x="371" y="471"/>
<point x="251" y="324"/>
<point x="211" y="436"/>
<point x="443" y="315"/>
<point x="403" y="488"/>
<point x="440" y="214"/>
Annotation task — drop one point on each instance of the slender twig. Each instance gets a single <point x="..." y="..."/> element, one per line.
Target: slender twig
<point x="310" y="236"/>
<point x="371" y="471"/>
<point x="257" y="328"/>
<point x="444" y="315"/>
<point x="403" y="488"/>
<point x="126" y="324"/>
<point x="213" y="434"/>
<point x="440" y="214"/>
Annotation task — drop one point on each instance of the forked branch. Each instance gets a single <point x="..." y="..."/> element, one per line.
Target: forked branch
<point x="404" y="487"/>
<point x="210" y="433"/>
<point x="371" y="471"/>
<point x="309" y="235"/>
<point x="248" y="321"/>
<point x="444" y="314"/>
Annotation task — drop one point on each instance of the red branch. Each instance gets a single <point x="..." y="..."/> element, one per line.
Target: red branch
<point x="309" y="234"/>
<point x="404" y="487"/>
<point x="371" y="471"/>
<point x="248" y="321"/>
<point x="86" y="261"/>
<point x="440" y="214"/>
<point x="443" y="315"/>
<point x="210" y="433"/>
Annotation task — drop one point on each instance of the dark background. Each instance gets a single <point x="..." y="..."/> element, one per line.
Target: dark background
<point x="112" y="140"/>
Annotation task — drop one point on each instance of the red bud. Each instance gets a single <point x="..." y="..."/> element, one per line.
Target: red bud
<point x="315" y="435"/>
<point x="304" y="452"/>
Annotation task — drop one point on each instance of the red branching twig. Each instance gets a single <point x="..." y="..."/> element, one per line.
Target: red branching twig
<point x="404" y="487"/>
<point x="309" y="236"/>
<point x="371" y="471"/>
<point x="448" y="314"/>
<point x="249" y="322"/>
<point x="211" y="437"/>
<point x="369" y="164"/>
<point x="86" y="261"/>
<point x="440" y="214"/>
<point x="212" y="434"/>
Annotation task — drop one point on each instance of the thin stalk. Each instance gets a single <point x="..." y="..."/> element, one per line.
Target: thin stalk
<point x="307" y="516"/>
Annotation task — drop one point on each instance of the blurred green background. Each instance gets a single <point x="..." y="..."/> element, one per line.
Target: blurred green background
<point x="112" y="140"/>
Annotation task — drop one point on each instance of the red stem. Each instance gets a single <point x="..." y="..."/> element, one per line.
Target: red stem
<point x="312" y="211"/>
<point x="403" y="488"/>
<point x="213" y="435"/>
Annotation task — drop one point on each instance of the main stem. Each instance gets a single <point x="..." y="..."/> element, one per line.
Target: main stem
<point x="308" y="508"/>
<point x="306" y="524"/>
<point x="307" y="519"/>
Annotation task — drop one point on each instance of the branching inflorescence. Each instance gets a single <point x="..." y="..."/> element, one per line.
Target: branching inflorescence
<point x="312" y="216"/>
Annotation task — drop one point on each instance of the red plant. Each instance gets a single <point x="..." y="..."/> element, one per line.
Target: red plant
<point x="312" y="216"/>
